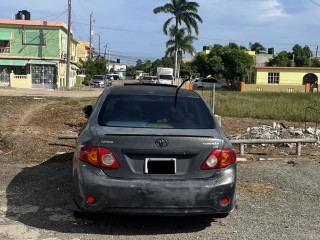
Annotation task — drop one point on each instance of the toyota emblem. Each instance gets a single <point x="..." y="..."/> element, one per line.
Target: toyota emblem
<point x="161" y="143"/>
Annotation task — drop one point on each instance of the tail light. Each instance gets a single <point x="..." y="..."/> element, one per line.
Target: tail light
<point x="98" y="156"/>
<point x="219" y="159"/>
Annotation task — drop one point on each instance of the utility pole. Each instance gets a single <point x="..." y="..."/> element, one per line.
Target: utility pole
<point x="90" y="38"/>
<point x="68" y="46"/>
<point x="105" y="51"/>
<point x="99" y="44"/>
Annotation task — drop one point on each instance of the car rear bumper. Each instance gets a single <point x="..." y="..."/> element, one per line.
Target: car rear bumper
<point x="157" y="197"/>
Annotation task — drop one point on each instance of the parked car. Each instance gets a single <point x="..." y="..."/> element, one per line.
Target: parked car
<point x="209" y="83"/>
<point x="150" y="149"/>
<point x="101" y="81"/>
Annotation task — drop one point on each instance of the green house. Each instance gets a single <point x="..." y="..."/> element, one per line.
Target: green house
<point x="35" y="54"/>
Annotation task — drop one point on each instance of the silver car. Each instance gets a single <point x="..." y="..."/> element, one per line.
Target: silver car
<point x="210" y="83"/>
<point x="153" y="149"/>
<point x="101" y="81"/>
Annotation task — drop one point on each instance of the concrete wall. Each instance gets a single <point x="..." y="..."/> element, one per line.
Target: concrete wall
<point x="20" y="81"/>
<point x="272" y="88"/>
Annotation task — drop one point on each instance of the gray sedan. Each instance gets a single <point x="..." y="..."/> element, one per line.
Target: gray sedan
<point x="152" y="149"/>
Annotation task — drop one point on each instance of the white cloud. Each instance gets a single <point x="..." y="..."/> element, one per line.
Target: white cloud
<point x="271" y="10"/>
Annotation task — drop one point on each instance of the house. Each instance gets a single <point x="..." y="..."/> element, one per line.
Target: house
<point x="83" y="49"/>
<point x="283" y="79"/>
<point x="33" y="54"/>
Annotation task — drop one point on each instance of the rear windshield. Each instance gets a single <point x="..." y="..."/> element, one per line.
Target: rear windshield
<point x="155" y="112"/>
<point x="166" y="77"/>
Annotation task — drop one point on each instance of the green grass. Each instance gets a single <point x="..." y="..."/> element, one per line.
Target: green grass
<point x="275" y="106"/>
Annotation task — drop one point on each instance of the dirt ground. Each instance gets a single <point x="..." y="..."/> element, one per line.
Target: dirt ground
<point x="30" y="126"/>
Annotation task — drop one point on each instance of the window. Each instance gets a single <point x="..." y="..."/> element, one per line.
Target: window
<point x="4" y="46"/>
<point x="273" y="78"/>
<point x="5" y="42"/>
<point x="34" y="37"/>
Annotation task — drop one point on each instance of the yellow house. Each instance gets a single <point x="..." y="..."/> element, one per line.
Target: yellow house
<point x="284" y="79"/>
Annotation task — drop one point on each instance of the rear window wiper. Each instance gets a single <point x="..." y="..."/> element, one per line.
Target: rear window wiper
<point x="176" y="96"/>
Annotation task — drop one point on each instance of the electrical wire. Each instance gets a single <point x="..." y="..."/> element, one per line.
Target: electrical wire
<point x="51" y="15"/>
<point x="314" y="2"/>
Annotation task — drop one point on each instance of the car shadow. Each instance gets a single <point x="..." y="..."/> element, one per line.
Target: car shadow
<point x="40" y="197"/>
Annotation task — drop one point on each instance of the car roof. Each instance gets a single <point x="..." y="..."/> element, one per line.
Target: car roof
<point x="152" y="89"/>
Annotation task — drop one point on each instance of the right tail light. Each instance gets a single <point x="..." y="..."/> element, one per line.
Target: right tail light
<point x="219" y="159"/>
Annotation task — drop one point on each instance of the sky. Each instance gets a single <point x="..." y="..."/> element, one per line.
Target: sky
<point x="131" y="31"/>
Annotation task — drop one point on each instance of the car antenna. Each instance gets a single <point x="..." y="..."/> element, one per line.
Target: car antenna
<point x="176" y="96"/>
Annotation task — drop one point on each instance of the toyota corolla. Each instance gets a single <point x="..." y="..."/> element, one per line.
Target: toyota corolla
<point x="153" y="149"/>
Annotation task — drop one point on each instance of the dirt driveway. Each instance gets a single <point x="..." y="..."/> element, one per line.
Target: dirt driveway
<point x="277" y="199"/>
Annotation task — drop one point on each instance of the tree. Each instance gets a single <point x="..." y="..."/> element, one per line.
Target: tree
<point x="92" y="67"/>
<point x="180" y="42"/>
<point x="201" y="64"/>
<point x="230" y="62"/>
<point x="283" y="59"/>
<point x="237" y="64"/>
<point x="302" y="56"/>
<point x="257" y="47"/>
<point x="183" y="12"/>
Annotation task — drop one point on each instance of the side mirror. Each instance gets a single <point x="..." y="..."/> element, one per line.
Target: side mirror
<point x="87" y="110"/>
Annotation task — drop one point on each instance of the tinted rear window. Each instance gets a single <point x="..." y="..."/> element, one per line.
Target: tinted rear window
<point x="155" y="112"/>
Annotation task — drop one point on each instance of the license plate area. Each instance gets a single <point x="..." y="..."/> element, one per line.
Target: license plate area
<point x="160" y="166"/>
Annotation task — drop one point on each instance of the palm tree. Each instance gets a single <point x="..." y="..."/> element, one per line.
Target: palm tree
<point x="183" y="12"/>
<point x="179" y="42"/>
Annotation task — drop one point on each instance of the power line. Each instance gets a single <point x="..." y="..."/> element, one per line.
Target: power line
<point x="80" y="27"/>
<point x="60" y="14"/>
<point x="314" y="2"/>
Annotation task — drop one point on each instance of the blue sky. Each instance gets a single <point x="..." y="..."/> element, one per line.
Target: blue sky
<point x="133" y="32"/>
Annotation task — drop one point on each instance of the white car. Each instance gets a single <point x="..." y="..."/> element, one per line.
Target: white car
<point x="209" y="83"/>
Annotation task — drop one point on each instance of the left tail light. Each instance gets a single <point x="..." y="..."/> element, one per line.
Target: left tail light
<point x="98" y="156"/>
<point x="219" y="159"/>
